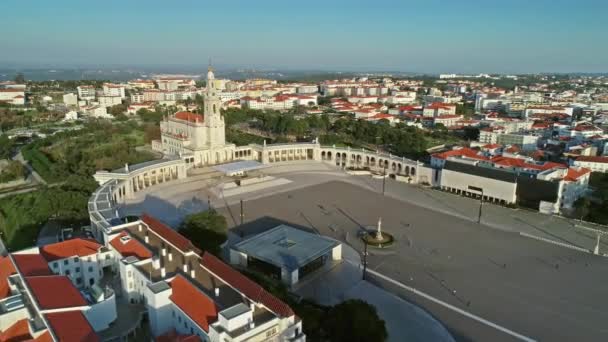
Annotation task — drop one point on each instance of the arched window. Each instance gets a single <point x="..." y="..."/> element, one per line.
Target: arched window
<point x="214" y="109"/>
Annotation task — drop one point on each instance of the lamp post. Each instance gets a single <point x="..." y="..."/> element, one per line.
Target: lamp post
<point x="475" y="188"/>
<point x="364" y="257"/>
<point x="384" y="180"/>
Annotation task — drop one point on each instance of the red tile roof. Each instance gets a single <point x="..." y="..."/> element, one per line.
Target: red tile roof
<point x="200" y="308"/>
<point x="512" y="149"/>
<point x="19" y="331"/>
<point x="575" y="173"/>
<point x="71" y="326"/>
<point x="586" y="127"/>
<point x="168" y="234"/>
<point x="491" y="146"/>
<point x="173" y="336"/>
<point x="54" y="292"/>
<point x="593" y="159"/>
<point x="130" y="248"/>
<point x="6" y="270"/>
<point x="32" y="265"/>
<point x="462" y="152"/>
<point x="440" y="105"/>
<point x="245" y="285"/>
<point x="44" y="337"/>
<point x="188" y="116"/>
<point x="380" y="116"/>
<point x="521" y="163"/>
<point x="70" y="248"/>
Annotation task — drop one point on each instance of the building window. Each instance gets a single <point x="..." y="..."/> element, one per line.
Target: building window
<point x="179" y="319"/>
<point x="89" y="259"/>
<point x="65" y="262"/>
<point x="91" y="281"/>
<point x="55" y="264"/>
<point x="67" y="272"/>
<point x="78" y="281"/>
<point x="76" y="259"/>
<point x="173" y="313"/>
<point x="77" y="269"/>
<point x="90" y="268"/>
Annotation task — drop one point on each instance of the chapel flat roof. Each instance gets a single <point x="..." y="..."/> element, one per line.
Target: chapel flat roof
<point x="286" y="247"/>
<point x="239" y="166"/>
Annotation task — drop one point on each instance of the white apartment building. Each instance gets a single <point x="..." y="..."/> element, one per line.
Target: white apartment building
<point x="86" y="93"/>
<point x="12" y="96"/>
<point x="441" y="99"/>
<point x="438" y="109"/>
<point x="279" y="102"/>
<point x="531" y="110"/>
<point x="594" y="163"/>
<point x="307" y="89"/>
<point x="142" y="84"/>
<point x="79" y="259"/>
<point x="137" y="98"/>
<point x="70" y="99"/>
<point x="109" y="101"/>
<point x="114" y="90"/>
<point x="191" y="293"/>
<point x="527" y="142"/>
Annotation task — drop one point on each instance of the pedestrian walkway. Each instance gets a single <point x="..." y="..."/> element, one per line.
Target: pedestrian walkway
<point x="404" y="321"/>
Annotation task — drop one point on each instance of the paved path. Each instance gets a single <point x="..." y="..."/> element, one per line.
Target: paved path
<point x="19" y="157"/>
<point x="404" y="321"/>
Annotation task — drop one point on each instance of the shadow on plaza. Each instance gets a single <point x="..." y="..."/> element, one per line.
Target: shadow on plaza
<point x="170" y="213"/>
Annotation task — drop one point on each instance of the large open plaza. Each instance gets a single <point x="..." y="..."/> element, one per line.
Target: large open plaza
<point x="539" y="290"/>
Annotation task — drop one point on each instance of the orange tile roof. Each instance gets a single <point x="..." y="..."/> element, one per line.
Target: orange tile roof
<point x="31" y="265"/>
<point x="19" y="331"/>
<point x="44" y="337"/>
<point x="70" y="248"/>
<point x="168" y="234"/>
<point x="6" y="270"/>
<point x="593" y="159"/>
<point x="131" y="247"/>
<point x="173" y="336"/>
<point x="200" y="308"/>
<point x="71" y="326"/>
<point x="188" y="116"/>
<point x="574" y="174"/>
<point x="521" y="163"/>
<point x="245" y="285"/>
<point x="491" y="146"/>
<point x="462" y="152"/>
<point x="54" y="292"/>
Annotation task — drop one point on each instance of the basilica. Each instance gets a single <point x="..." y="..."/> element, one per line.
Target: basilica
<point x="198" y="139"/>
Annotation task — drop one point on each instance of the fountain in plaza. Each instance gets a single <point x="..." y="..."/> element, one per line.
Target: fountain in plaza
<point x="376" y="238"/>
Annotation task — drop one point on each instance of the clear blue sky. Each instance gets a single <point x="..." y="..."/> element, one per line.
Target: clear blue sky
<point x="420" y="36"/>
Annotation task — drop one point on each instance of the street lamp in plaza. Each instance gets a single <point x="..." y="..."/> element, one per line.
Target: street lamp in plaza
<point x="480" y="190"/>
<point x="384" y="180"/>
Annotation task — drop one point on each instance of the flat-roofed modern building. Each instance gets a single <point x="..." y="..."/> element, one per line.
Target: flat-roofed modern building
<point x="286" y="253"/>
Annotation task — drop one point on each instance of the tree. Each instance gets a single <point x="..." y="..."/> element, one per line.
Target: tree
<point x="118" y="109"/>
<point x="206" y="230"/>
<point x="6" y="146"/>
<point x="581" y="207"/>
<point x="19" y="78"/>
<point x="151" y="132"/>
<point x="354" y="320"/>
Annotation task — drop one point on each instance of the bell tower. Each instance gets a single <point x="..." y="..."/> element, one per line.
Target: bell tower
<point x="213" y="119"/>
